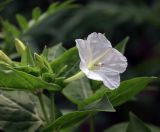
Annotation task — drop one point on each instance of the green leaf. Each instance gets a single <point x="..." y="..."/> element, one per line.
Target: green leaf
<point x="80" y="93"/>
<point x="10" y="29"/>
<point x="69" y="58"/>
<point x="136" y="124"/>
<point x="94" y="97"/>
<point x="9" y="33"/>
<point x="122" y="45"/>
<point x="55" y="51"/>
<point x="45" y="52"/>
<point x="22" y="21"/>
<point x="128" y="89"/>
<point x="97" y="102"/>
<point x="14" y="79"/>
<point x="67" y="3"/>
<point x="36" y="13"/>
<point x="153" y="128"/>
<point x="19" y="112"/>
<point x="42" y="64"/>
<point x="27" y="58"/>
<point x="121" y="127"/>
<point x="52" y="7"/>
<point x="67" y="120"/>
<point x="61" y="6"/>
<point x="101" y="104"/>
<point x="78" y="90"/>
<point x="28" y="69"/>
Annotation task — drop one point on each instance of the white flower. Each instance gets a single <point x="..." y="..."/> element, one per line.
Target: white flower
<point x="99" y="61"/>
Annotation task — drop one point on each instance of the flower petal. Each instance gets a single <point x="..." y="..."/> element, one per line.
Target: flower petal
<point x="110" y="80"/>
<point x="114" y="61"/>
<point x="99" y="61"/>
<point x="88" y="73"/>
<point x="83" y="50"/>
<point x="99" y="38"/>
<point x="98" y="44"/>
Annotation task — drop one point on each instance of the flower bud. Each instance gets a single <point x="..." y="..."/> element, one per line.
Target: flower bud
<point x="39" y="60"/>
<point x="5" y="58"/>
<point x="20" y="47"/>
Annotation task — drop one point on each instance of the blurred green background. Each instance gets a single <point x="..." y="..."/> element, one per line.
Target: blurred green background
<point x="138" y="19"/>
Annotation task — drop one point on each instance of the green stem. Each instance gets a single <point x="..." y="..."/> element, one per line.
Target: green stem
<point x="91" y="123"/>
<point x="52" y="107"/>
<point x="75" y="77"/>
<point x="40" y="97"/>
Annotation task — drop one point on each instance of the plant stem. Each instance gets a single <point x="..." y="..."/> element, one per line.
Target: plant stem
<point x="75" y="77"/>
<point x="91" y="123"/>
<point x="52" y="108"/>
<point x="40" y="97"/>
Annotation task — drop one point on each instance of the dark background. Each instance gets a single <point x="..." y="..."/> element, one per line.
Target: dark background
<point x="138" y="19"/>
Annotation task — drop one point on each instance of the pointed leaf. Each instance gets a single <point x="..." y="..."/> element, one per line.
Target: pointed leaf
<point x="66" y="4"/>
<point x="14" y="79"/>
<point x="52" y="7"/>
<point x="28" y="69"/>
<point x="9" y="33"/>
<point x="101" y="104"/>
<point x="36" y="13"/>
<point x="98" y="101"/>
<point x="93" y="97"/>
<point x="80" y="93"/>
<point x="69" y="58"/>
<point x="10" y="29"/>
<point x="78" y="90"/>
<point x="55" y="51"/>
<point x="27" y="58"/>
<point x="67" y="120"/>
<point x="136" y="124"/>
<point x="22" y="21"/>
<point x="128" y="89"/>
<point x="121" y="127"/>
<point x="45" y="52"/>
<point x="122" y="45"/>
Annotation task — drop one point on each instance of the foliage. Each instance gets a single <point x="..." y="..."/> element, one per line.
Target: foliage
<point x="21" y="115"/>
<point x="135" y="124"/>
<point x="38" y="18"/>
<point x="30" y="81"/>
<point x="39" y="73"/>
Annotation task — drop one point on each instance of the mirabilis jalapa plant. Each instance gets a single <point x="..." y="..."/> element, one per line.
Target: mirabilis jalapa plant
<point x="53" y="71"/>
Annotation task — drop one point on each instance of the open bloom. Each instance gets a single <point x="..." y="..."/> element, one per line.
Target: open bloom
<point x="99" y="61"/>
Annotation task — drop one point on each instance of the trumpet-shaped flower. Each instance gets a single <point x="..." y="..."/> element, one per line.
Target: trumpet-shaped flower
<point x="99" y="61"/>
